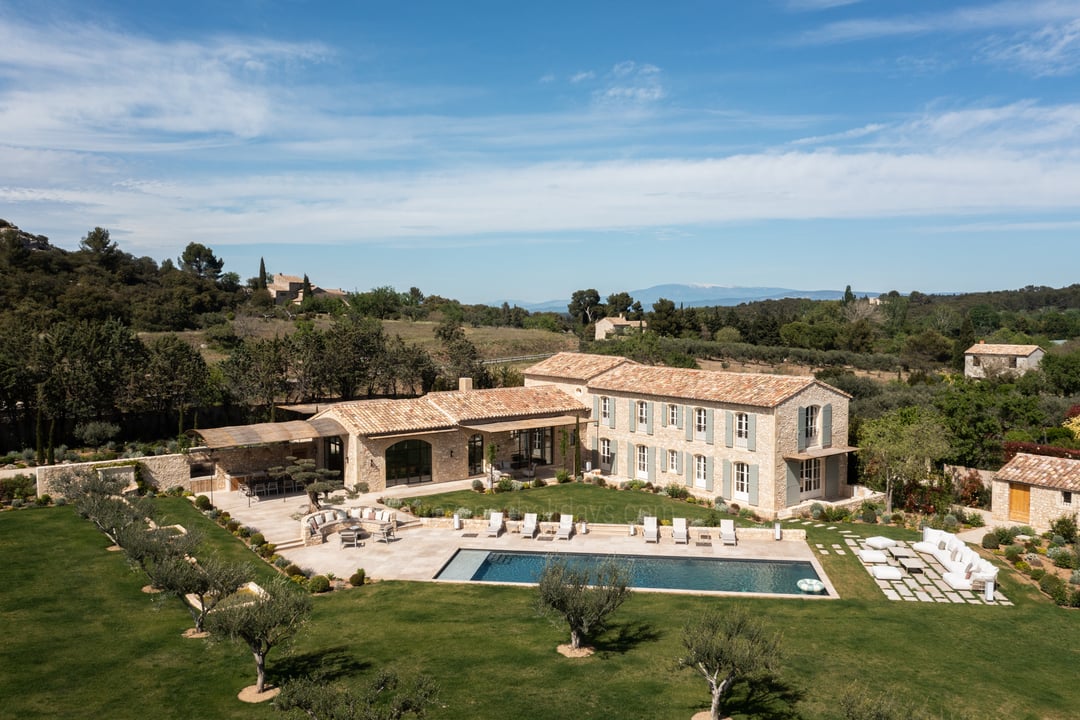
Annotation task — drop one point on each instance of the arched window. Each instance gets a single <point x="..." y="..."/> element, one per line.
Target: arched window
<point x="408" y="461"/>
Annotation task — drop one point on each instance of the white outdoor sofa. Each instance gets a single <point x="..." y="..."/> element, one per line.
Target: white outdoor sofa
<point x="963" y="565"/>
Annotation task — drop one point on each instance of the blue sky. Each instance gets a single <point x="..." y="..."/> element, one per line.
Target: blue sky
<point x="492" y="150"/>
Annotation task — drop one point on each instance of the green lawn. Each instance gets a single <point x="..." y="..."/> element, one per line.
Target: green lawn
<point x="82" y="641"/>
<point x="591" y="502"/>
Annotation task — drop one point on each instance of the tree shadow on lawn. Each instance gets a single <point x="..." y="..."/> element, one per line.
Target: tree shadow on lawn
<point x="765" y="697"/>
<point x="621" y="637"/>
<point x="328" y="665"/>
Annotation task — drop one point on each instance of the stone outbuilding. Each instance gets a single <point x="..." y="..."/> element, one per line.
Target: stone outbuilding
<point x="1036" y="490"/>
<point x="988" y="359"/>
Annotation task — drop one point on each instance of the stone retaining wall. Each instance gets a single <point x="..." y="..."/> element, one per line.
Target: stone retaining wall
<point x="159" y="471"/>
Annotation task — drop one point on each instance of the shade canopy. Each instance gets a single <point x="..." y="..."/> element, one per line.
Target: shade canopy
<point x="266" y="433"/>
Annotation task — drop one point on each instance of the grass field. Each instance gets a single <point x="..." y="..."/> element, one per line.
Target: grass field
<point x="82" y="641"/>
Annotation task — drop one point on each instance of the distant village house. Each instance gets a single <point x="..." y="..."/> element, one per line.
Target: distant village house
<point x="986" y="359"/>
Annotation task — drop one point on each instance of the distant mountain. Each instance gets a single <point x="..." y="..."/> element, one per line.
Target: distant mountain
<point x="702" y="296"/>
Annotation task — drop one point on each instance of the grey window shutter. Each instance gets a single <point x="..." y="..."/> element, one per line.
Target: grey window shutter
<point x="708" y="473"/>
<point x="729" y="429"/>
<point x="631" y="461"/>
<point x="826" y="425"/>
<point x="709" y="426"/>
<point x="792" y="483"/>
<point x="751" y="441"/>
<point x="801" y="428"/>
<point x="689" y="422"/>
<point x="614" y="457"/>
<point x="725" y="486"/>
<point x="688" y="465"/>
<point x="596" y="407"/>
<point x="650" y="460"/>
<point x="663" y="460"/>
<point x="663" y="415"/>
<point x="753" y="484"/>
<point x="596" y="442"/>
<point x="633" y="415"/>
<point x="679" y="416"/>
<point x="650" y="410"/>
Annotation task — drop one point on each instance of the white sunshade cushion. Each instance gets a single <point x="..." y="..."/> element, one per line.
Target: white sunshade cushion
<point x="880" y="543"/>
<point x="886" y="572"/>
<point x="872" y="556"/>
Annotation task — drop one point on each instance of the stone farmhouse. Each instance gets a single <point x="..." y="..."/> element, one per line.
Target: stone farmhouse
<point x="986" y="359"/>
<point x="608" y="326"/>
<point x="766" y="442"/>
<point x="1036" y="490"/>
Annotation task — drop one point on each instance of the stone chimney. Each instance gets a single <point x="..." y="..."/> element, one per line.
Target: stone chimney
<point x="464" y="384"/>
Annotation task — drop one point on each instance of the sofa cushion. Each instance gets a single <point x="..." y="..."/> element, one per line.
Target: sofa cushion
<point x="872" y="556"/>
<point x="880" y="543"/>
<point x="886" y="572"/>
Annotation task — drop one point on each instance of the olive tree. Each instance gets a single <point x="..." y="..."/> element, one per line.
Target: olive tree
<point x="580" y="598"/>
<point x="262" y="622"/>
<point x="210" y="582"/>
<point x="726" y="646"/>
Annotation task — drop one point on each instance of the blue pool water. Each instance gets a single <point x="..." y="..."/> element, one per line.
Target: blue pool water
<point x="648" y="572"/>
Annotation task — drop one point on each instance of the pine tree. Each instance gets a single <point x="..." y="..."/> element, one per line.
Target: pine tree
<point x="262" y="274"/>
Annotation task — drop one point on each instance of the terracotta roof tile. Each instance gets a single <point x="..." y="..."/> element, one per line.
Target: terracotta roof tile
<point x="575" y="366"/>
<point x="1043" y="471"/>
<point x="754" y="389"/>
<point x="1001" y="349"/>
<point x="445" y="410"/>
<point x="378" y="417"/>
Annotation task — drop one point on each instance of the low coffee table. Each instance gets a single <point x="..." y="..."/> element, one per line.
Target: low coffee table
<point x="899" y="551"/>
<point x="912" y="565"/>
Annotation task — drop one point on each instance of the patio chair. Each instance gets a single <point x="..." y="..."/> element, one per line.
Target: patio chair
<point x="651" y="532"/>
<point x="566" y="527"/>
<point x="727" y="533"/>
<point x="495" y="524"/>
<point x="679" y="531"/>
<point x="528" y="528"/>
<point x="386" y="533"/>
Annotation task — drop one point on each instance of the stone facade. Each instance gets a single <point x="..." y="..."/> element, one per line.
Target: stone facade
<point x="987" y="359"/>
<point x="1036" y="490"/>
<point x="645" y="416"/>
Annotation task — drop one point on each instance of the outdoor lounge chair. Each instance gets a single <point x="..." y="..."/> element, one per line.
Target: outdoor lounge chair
<point x="566" y="527"/>
<point x="651" y="531"/>
<point x="679" y="531"/>
<point x="727" y="532"/>
<point x="528" y="528"/>
<point x="495" y="524"/>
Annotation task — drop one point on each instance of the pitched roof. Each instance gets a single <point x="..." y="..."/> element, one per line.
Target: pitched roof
<point x="1001" y="349"/>
<point x="576" y="366"/>
<point x="379" y="417"/>
<point x="446" y="410"/>
<point x="754" y="389"/>
<point x="1043" y="471"/>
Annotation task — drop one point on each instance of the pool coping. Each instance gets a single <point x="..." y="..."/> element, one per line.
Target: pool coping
<point x="811" y="560"/>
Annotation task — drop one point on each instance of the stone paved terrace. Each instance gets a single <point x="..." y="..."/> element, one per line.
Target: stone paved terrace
<point x="420" y="551"/>
<point x="925" y="586"/>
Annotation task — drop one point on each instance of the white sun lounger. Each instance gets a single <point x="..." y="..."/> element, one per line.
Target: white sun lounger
<point x="679" y="531"/>
<point x="651" y="532"/>
<point x="727" y="532"/>
<point x="566" y="527"/>
<point x="495" y="524"/>
<point x="528" y="528"/>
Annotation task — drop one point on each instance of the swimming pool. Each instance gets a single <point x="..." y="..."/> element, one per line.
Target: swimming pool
<point x="777" y="577"/>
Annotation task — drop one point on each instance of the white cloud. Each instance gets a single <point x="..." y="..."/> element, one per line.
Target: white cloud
<point x="631" y="83"/>
<point x="1001" y="15"/>
<point x="582" y="76"/>
<point x="63" y="86"/>
<point x="809" y="5"/>
<point x="1052" y="50"/>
